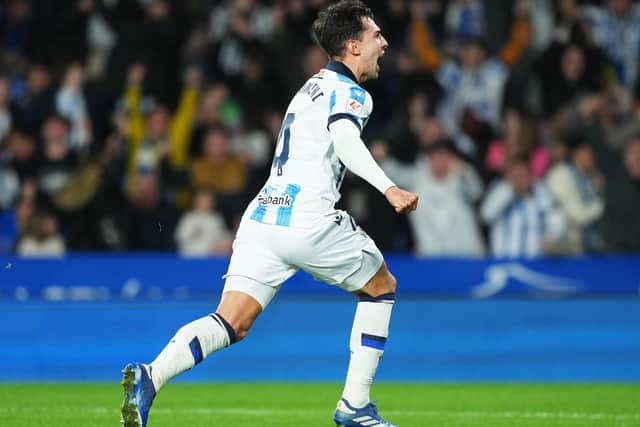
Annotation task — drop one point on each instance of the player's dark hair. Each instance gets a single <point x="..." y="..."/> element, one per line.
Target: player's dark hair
<point x="338" y="23"/>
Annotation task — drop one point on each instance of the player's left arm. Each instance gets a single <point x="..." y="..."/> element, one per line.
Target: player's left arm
<point x="352" y="151"/>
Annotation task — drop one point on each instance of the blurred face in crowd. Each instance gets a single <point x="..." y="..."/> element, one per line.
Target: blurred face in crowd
<point x="472" y="55"/>
<point x="5" y="92"/>
<point x="37" y="79"/>
<point x="212" y="99"/>
<point x="519" y="177"/>
<point x="55" y="133"/>
<point x="158" y="9"/>
<point x="431" y="132"/>
<point x="372" y="47"/>
<point x="568" y="9"/>
<point x="572" y="63"/>
<point x="204" y="201"/>
<point x="147" y="192"/>
<point x="21" y="147"/>
<point x="512" y="128"/>
<point x="632" y="158"/>
<point x="55" y="129"/>
<point x="158" y="122"/>
<point x="49" y="225"/>
<point x="440" y="161"/>
<point x="74" y="77"/>
<point x="582" y="157"/>
<point x="18" y="10"/>
<point x="216" y="147"/>
<point x="24" y="210"/>
<point x="240" y="25"/>
<point x="243" y="5"/>
<point x="620" y="7"/>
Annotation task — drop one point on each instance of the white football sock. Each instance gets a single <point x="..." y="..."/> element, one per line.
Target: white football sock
<point x="368" y="336"/>
<point x="190" y="346"/>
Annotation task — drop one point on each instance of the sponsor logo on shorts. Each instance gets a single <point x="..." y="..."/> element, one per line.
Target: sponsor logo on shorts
<point x="284" y="200"/>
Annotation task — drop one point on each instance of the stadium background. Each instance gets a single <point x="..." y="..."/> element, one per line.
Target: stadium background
<point x="115" y="115"/>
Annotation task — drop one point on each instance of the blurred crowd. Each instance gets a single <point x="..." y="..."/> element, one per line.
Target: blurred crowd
<point x="144" y="125"/>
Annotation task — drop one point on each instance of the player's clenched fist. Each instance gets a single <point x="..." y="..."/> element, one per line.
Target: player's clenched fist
<point x="401" y="200"/>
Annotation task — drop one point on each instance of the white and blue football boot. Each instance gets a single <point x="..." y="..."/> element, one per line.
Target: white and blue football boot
<point x="348" y="416"/>
<point x="139" y="393"/>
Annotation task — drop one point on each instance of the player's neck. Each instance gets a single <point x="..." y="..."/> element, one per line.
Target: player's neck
<point x="351" y="69"/>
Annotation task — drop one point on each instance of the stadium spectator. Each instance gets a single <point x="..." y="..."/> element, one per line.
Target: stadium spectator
<point x="202" y="231"/>
<point x="474" y="87"/>
<point x="159" y="141"/>
<point x="16" y="25"/>
<point x="620" y="225"/>
<point x="58" y="161"/>
<point x="221" y="171"/>
<point x="447" y="225"/>
<point x="465" y="20"/>
<point x="573" y="60"/>
<point x="9" y="187"/>
<point x="149" y="221"/>
<point x="519" y="139"/>
<point x="523" y="220"/>
<point x="576" y="185"/>
<point x="71" y="103"/>
<point x="566" y="72"/>
<point x="6" y="120"/>
<point x="216" y="107"/>
<point x="32" y="106"/>
<point x="615" y="28"/>
<point x="227" y="56"/>
<point x="41" y="238"/>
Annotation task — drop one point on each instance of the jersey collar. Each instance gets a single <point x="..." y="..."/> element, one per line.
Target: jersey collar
<point x="340" y="68"/>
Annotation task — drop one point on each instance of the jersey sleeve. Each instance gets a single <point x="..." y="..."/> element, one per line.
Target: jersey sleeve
<point x="351" y="103"/>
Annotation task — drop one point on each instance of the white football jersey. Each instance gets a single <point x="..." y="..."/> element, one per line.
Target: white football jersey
<point x="306" y="174"/>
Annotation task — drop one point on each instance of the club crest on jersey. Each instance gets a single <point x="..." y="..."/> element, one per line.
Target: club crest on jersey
<point x="284" y="200"/>
<point x="353" y="106"/>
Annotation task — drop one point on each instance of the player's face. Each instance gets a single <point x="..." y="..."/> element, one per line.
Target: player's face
<point x="373" y="46"/>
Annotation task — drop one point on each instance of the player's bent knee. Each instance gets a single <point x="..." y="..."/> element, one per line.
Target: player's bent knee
<point x="383" y="284"/>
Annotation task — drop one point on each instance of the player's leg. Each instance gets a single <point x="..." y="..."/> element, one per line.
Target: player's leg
<point x="344" y="255"/>
<point x="193" y="342"/>
<point x="368" y="337"/>
<point x="243" y="299"/>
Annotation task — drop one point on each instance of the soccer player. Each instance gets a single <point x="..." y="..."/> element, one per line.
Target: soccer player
<point x="292" y="224"/>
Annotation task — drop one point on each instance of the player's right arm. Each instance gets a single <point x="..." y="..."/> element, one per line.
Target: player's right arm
<point x="351" y="151"/>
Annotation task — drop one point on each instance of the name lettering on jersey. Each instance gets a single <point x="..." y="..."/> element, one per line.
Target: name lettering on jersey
<point x="284" y="200"/>
<point x="313" y="90"/>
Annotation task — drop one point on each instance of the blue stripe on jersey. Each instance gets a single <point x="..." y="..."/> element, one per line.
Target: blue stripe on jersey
<point x="259" y="212"/>
<point x="332" y="102"/>
<point x="284" y="212"/>
<point x="358" y="94"/>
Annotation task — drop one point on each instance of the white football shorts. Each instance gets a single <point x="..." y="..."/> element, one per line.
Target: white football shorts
<point x="336" y="251"/>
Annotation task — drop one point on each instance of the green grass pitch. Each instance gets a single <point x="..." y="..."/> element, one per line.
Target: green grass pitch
<point x="293" y="404"/>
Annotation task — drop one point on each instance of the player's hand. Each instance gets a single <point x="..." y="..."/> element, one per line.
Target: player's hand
<point x="401" y="200"/>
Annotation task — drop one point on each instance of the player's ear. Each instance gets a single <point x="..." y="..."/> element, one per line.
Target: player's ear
<point x="353" y="47"/>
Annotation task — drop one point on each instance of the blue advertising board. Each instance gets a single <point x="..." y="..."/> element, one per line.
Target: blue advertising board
<point x="155" y="277"/>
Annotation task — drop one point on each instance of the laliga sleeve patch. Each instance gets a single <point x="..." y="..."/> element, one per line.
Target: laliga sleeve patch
<point x="355" y="103"/>
<point x="354" y="107"/>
